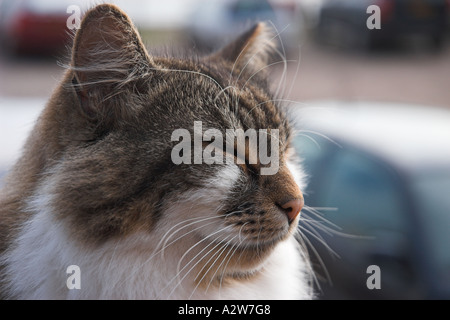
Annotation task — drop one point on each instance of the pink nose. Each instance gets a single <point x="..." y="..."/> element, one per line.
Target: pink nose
<point x="293" y="208"/>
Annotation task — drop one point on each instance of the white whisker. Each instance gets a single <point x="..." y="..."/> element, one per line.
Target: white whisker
<point x="282" y="55"/>
<point x="307" y="243"/>
<point x="266" y="43"/>
<point x="169" y="234"/>
<point x="232" y="251"/>
<point x="191" y="72"/>
<point x="261" y="69"/>
<point x="217" y="269"/>
<point x="190" y="261"/>
<point x="321" y="135"/>
<point x="294" y="80"/>
<point x="204" y="265"/>
<point x="165" y="245"/>
<point x="318" y="215"/>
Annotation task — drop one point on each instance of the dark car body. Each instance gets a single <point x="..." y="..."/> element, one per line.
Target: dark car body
<point x="344" y="22"/>
<point x="381" y="188"/>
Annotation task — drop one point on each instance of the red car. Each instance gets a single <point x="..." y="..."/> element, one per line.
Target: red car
<point x="34" y="26"/>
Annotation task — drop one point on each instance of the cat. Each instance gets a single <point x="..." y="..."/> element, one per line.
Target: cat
<point x="96" y="187"/>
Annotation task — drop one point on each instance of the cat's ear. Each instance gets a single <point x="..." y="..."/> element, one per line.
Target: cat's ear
<point x="108" y="56"/>
<point x="251" y="51"/>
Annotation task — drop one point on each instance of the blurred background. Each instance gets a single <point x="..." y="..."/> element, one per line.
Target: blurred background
<point x="373" y="108"/>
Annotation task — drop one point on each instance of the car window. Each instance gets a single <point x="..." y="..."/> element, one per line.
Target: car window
<point x="366" y="192"/>
<point x="371" y="210"/>
<point x="364" y="199"/>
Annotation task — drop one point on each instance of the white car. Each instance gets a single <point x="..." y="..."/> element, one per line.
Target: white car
<point x="17" y="118"/>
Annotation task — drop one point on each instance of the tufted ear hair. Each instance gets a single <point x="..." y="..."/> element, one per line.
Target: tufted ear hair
<point x="107" y="56"/>
<point x="251" y="51"/>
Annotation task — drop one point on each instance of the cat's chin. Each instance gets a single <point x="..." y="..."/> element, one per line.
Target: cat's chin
<point x="236" y="262"/>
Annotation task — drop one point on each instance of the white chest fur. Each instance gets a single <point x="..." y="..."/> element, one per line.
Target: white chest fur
<point x="130" y="269"/>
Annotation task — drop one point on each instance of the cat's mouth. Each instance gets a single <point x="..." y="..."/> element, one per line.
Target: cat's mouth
<point x="242" y="250"/>
<point x="249" y="241"/>
<point x="261" y="231"/>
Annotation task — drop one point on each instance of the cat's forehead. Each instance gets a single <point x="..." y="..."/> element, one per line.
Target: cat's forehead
<point x="221" y="75"/>
<point x="217" y="93"/>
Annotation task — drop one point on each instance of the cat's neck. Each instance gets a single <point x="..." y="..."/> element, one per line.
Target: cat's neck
<point x="138" y="268"/>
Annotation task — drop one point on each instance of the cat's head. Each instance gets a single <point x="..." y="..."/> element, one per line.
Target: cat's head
<point x="110" y="167"/>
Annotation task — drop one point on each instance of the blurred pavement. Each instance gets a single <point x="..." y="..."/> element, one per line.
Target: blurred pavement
<point x="410" y="74"/>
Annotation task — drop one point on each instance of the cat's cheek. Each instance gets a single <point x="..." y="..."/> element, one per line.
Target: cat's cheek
<point x="200" y="211"/>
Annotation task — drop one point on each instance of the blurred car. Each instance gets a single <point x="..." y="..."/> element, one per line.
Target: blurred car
<point x="344" y="22"/>
<point x="380" y="183"/>
<point x="215" y="22"/>
<point x="34" y="26"/>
